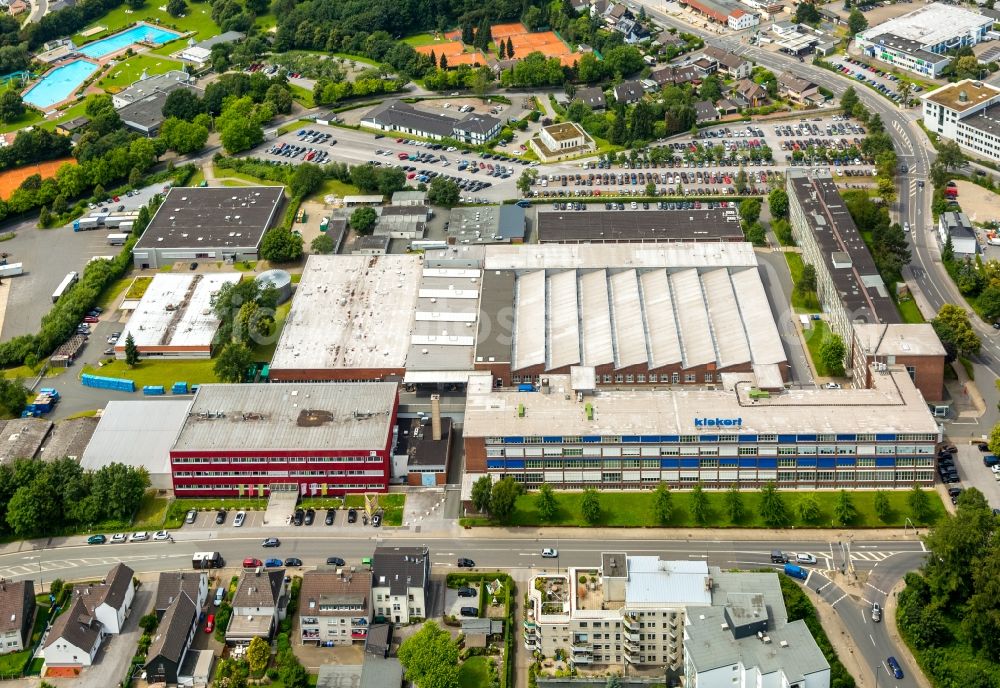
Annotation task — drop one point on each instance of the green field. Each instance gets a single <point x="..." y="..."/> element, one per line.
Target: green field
<point x="421" y="39"/>
<point x="337" y="188"/>
<point x="73" y="111"/>
<point x="265" y="352"/>
<point x="26" y="373"/>
<point x="31" y="116"/>
<point x="814" y="337"/>
<point x="138" y="287"/>
<point x="635" y="510"/>
<point x="909" y="310"/>
<point x="126" y="73"/>
<point x="152" y="511"/>
<point x="165" y="373"/>
<point x="802" y="303"/>
<point x="303" y="95"/>
<point x="474" y="673"/>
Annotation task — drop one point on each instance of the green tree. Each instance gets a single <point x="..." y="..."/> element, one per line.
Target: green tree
<point x="777" y="201"/>
<point x="149" y="622"/>
<point x="919" y="503"/>
<point x="176" y="8"/>
<point x="503" y="497"/>
<point x="182" y="136"/>
<point x="590" y="506"/>
<point x="844" y="511"/>
<point x="390" y="180"/>
<point x="258" y="655"/>
<point x="281" y="245"/>
<point x="56" y="587"/>
<point x="363" y="220"/>
<point x="848" y="99"/>
<point x="953" y="328"/>
<point x="808" y="508"/>
<point x="545" y="502"/>
<point x="232" y="362"/>
<point x="699" y="504"/>
<point x="750" y="210"/>
<point x="967" y="67"/>
<point x="948" y="250"/>
<point x="663" y="504"/>
<point x="131" y="351"/>
<point x="294" y="675"/>
<point x="831" y="353"/>
<point x="807" y="282"/>
<point x="364" y="177"/>
<point x="526" y="180"/>
<point x="182" y="103"/>
<point x="806" y="13"/>
<point x="734" y="504"/>
<point x="856" y="22"/>
<point x="955" y="544"/>
<point x="740" y="182"/>
<point x="443" y="192"/>
<point x="882" y="508"/>
<point x="322" y="244"/>
<point x="11" y="106"/>
<point x="772" y="506"/>
<point x="307" y="179"/>
<point x="949" y="154"/>
<point x="481" y="493"/>
<point x="430" y="657"/>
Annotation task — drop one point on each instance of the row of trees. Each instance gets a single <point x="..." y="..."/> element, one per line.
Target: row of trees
<point x="499" y="499"/>
<point x="46" y="497"/>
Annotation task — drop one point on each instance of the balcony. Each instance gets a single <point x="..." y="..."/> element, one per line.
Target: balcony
<point x="531" y="643"/>
<point x="582" y="648"/>
<point x="530" y="626"/>
<point x="630" y="622"/>
<point x="631" y="646"/>
<point x="631" y="655"/>
<point x="632" y="636"/>
<point x="583" y="653"/>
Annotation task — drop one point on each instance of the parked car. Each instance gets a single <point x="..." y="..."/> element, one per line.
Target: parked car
<point x="252" y="563"/>
<point x="352" y="515"/>
<point x="220" y="596"/>
<point x="241" y="516"/>
<point x="191" y="516"/>
<point x="293" y="561"/>
<point x="161" y="535"/>
<point x="273" y="563"/>
<point x="550" y="553"/>
<point x="469" y="611"/>
<point x="298" y="517"/>
<point x="335" y="561"/>
<point x="271" y="542"/>
<point x="466" y="591"/>
<point x="989" y="460"/>
<point x="220" y="517"/>
<point x="464" y="563"/>
<point x="331" y="516"/>
<point x="310" y="516"/>
<point x="119" y="537"/>
<point x="96" y="540"/>
<point x="210" y="623"/>
<point x="376" y="520"/>
<point x="141" y="536"/>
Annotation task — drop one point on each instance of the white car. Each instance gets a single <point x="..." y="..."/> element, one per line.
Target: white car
<point x="805" y="559"/>
<point x="832" y="385"/>
<point x="141" y="536"/>
<point x="241" y="516"/>
<point x="906" y="226"/>
<point x="119" y="537"/>
<point x="549" y="553"/>
<point x="161" y="535"/>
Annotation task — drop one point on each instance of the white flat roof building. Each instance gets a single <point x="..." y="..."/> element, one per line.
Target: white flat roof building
<point x="968" y="113"/>
<point x="174" y="317"/>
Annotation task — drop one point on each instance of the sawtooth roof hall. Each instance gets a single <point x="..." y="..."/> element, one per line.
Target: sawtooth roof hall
<point x="676" y="313"/>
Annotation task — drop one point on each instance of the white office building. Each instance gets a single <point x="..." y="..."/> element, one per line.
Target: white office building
<point x="968" y="113"/>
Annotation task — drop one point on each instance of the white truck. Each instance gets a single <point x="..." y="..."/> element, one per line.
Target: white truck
<point x="11" y="269"/>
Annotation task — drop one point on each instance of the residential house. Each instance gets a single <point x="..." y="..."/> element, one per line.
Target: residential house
<point x="739" y="20"/>
<point x="172" y="639"/>
<point x="615" y="13"/>
<point x="73" y="127"/>
<point x="748" y="93"/>
<point x="963" y="236"/>
<point x="379" y="640"/>
<point x="599" y="7"/>
<point x="797" y="89"/>
<point x="174" y="583"/>
<point x="592" y="96"/>
<point x="17" y="614"/>
<point x="629" y="92"/>
<point x="110" y="601"/>
<point x="477" y="129"/>
<point x="632" y="30"/>
<point x="73" y="640"/>
<point x="400" y="577"/>
<point x="17" y="7"/>
<point x="705" y="112"/>
<point x="480" y="632"/>
<point x="335" y="606"/>
<point x="730" y="65"/>
<point x="259" y="605"/>
<point x="705" y="66"/>
<point x="726" y="107"/>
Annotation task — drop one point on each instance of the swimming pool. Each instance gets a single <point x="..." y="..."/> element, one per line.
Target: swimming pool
<point x="120" y="41"/>
<point x="59" y="84"/>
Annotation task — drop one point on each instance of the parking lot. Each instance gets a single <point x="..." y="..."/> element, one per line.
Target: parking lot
<point x="972" y="472"/>
<point x="884" y="82"/>
<point x="453" y="603"/>
<point x="206" y="520"/>
<point x="48" y="255"/>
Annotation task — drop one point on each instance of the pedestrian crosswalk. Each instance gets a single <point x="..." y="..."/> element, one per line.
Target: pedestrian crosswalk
<point x="855" y="556"/>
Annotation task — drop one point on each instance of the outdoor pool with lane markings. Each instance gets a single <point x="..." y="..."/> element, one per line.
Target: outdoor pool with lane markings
<point x="120" y="41"/>
<point x="59" y="84"/>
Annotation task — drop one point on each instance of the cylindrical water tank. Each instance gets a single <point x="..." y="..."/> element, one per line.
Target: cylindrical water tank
<point x="280" y="280"/>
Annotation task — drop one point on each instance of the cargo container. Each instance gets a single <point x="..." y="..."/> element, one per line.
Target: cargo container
<point x="153" y="390"/>
<point x="179" y="388"/>
<point x="117" y="239"/>
<point x="118" y="219"/>
<point x="207" y="560"/>
<point x="68" y="281"/>
<point x="796" y="571"/>
<point x="101" y="382"/>
<point x="85" y="223"/>
<point x="11" y="269"/>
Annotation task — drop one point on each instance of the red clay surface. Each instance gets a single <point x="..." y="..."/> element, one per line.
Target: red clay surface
<point x="524" y="42"/>
<point x="11" y="179"/>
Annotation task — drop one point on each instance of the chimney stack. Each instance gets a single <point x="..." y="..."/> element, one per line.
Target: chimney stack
<point x="436" y="417"/>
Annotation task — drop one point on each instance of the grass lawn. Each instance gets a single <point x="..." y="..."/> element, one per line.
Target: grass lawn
<point x="113" y="291"/>
<point x="69" y="113"/>
<point x="292" y="126"/>
<point x="138" y="287"/>
<point x="635" y="510"/>
<point x="128" y="72"/>
<point x="814" y="340"/>
<point x="199" y="20"/>
<point x="26" y="373"/>
<point x="908" y="309"/>
<point x="225" y="174"/>
<point x="802" y="303"/>
<point x="197" y="178"/>
<point x="265" y="351"/>
<point x="321" y="503"/>
<point x="474" y="673"/>
<point x="303" y="95"/>
<point x="337" y="188"/>
<point x="179" y="507"/>
<point x="392" y="505"/>
<point x="14" y="663"/>
<point x="236" y="183"/>
<point x="152" y="511"/>
<point x="356" y="58"/>
<point x="421" y="39"/>
<point x="164" y="373"/>
<point x="29" y="117"/>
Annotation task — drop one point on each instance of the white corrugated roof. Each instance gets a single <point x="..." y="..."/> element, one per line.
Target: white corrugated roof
<point x="696" y="336"/>
<point x="529" y="320"/>
<point x="597" y="347"/>
<point x="724" y="315"/>
<point x="666" y="583"/>
<point x="630" y="336"/>
<point x="765" y="342"/>
<point x="563" y="320"/>
<point x="664" y="342"/>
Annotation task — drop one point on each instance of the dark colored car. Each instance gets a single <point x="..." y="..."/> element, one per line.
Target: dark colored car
<point x="352" y="515"/>
<point x="897" y="670"/>
<point x="96" y="540"/>
<point x="293" y="561"/>
<point x="464" y="563"/>
<point x="298" y="517"/>
<point x="466" y="592"/>
<point x="376" y="520"/>
<point x="220" y="517"/>
<point x="331" y="516"/>
<point x="273" y="563"/>
<point x="469" y="611"/>
<point x="335" y="561"/>
<point x="193" y="266"/>
<point x="989" y="460"/>
<point x="310" y="516"/>
<point x="271" y="542"/>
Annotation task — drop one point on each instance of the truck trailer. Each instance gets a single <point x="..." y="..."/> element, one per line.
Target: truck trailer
<point x="207" y="560"/>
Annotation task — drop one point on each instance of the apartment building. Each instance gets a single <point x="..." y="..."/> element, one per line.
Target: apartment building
<point x="968" y="113"/>
<point x="335" y="606"/>
<point x="400" y="578"/>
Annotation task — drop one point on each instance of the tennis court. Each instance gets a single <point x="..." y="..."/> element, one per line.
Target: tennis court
<point x="448" y="48"/>
<point x="11" y="179"/>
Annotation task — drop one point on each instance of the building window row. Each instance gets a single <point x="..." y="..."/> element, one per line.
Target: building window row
<point x="277" y="459"/>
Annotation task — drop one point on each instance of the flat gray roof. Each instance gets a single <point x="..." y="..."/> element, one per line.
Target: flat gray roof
<point x="931" y="24"/>
<point x="899" y="340"/>
<point x="289" y="416"/>
<point x="567" y="226"/>
<point x="146" y="114"/>
<point x="212" y="217"/>
<point x="157" y="422"/>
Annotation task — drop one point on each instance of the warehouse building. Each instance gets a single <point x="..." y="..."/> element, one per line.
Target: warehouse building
<point x="968" y="113"/>
<point x="313" y="439"/>
<point x="848" y="284"/>
<point x="174" y="318"/>
<point x="638" y="226"/>
<point x="917" y="41"/>
<point x="570" y="435"/>
<point x="221" y="224"/>
<point x="487" y="224"/>
<point x="148" y="85"/>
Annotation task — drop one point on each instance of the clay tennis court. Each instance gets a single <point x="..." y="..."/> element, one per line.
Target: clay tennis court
<point x="504" y="30"/>
<point x="448" y="48"/>
<point x="524" y="42"/>
<point x="11" y="179"/>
